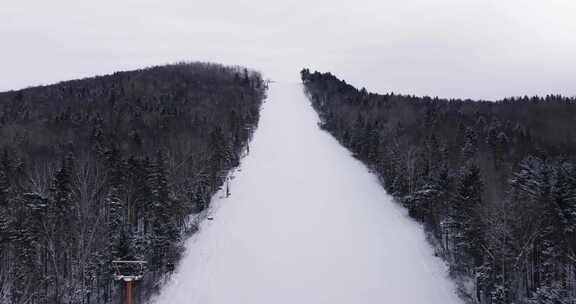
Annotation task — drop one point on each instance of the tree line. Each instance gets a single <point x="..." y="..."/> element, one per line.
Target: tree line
<point x="494" y="183"/>
<point x="114" y="167"/>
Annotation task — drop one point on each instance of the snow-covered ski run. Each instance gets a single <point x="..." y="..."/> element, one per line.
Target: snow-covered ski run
<point x="306" y="223"/>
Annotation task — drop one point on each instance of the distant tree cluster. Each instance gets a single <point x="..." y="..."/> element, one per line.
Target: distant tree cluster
<point x="111" y="168"/>
<point x="494" y="183"/>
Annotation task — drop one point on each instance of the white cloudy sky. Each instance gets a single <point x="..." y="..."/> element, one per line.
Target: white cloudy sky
<point x="450" y="48"/>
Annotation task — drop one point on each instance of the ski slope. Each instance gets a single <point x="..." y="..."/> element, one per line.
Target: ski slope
<point x="306" y="223"/>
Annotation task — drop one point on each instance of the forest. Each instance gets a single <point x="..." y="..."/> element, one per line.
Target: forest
<point x="114" y="167"/>
<point x="492" y="182"/>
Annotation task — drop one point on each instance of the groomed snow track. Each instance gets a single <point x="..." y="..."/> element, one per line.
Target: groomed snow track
<point x="306" y="223"/>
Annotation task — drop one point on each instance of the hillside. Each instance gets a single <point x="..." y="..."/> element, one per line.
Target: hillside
<point x="113" y="167"/>
<point x="494" y="183"/>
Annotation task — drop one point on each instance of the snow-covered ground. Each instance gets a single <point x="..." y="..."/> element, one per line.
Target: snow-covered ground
<point x="306" y="223"/>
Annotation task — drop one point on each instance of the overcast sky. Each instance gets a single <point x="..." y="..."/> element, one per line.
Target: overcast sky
<point x="449" y="48"/>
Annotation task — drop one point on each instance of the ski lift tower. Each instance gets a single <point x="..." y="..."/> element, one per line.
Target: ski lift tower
<point x="128" y="271"/>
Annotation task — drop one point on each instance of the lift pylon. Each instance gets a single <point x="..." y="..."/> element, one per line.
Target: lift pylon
<point x="128" y="271"/>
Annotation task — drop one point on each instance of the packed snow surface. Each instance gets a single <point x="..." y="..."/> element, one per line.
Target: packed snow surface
<point x="306" y="223"/>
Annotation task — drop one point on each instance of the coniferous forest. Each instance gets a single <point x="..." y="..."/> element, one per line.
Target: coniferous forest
<point x="114" y="167"/>
<point x="494" y="183"/>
